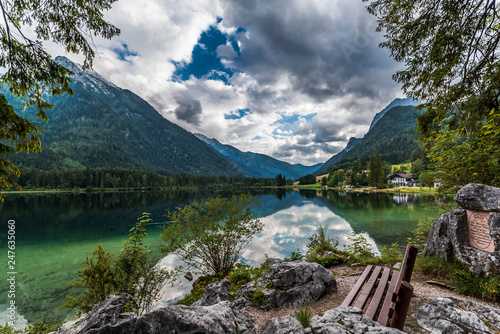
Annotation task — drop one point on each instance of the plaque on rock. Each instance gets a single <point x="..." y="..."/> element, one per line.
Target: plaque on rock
<point x="479" y="232"/>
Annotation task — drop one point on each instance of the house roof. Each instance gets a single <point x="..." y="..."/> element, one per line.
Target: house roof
<point x="407" y="176"/>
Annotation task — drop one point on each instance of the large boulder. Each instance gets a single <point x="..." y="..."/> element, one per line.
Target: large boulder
<point x="449" y="235"/>
<point x="452" y="315"/>
<point x="341" y="320"/>
<point x="288" y="284"/>
<point x="218" y="318"/>
<point x="110" y="312"/>
<point x="481" y="197"/>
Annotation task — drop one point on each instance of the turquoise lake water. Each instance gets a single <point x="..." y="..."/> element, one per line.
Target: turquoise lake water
<point x="54" y="232"/>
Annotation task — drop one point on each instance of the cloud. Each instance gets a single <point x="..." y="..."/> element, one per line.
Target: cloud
<point x="189" y="109"/>
<point x="203" y="63"/>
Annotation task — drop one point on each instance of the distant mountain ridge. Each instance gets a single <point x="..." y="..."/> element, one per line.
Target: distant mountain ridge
<point x="392" y="134"/>
<point x="103" y="125"/>
<point x="336" y="158"/>
<point x="409" y="101"/>
<point x="256" y="164"/>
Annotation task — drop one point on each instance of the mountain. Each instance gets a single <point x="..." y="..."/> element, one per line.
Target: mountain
<point x="308" y="169"/>
<point x="255" y="164"/>
<point x="392" y="134"/>
<point x="393" y="137"/>
<point x="409" y="101"/>
<point x="333" y="160"/>
<point x="102" y="125"/>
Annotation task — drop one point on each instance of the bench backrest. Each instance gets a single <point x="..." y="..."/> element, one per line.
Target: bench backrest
<point x="390" y="291"/>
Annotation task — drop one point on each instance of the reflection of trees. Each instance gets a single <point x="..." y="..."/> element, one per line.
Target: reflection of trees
<point x="308" y="193"/>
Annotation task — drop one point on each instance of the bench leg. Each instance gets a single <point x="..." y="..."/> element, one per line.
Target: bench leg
<point x="402" y="305"/>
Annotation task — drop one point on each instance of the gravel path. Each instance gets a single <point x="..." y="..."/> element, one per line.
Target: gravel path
<point x="346" y="277"/>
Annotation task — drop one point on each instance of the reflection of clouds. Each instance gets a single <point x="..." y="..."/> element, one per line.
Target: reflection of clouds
<point x="288" y="230"/>
<point x="284" y="232"/>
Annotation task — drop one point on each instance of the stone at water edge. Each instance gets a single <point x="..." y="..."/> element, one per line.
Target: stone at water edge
<point x="188" y="276"/>
<point x="289" y="284"/>
<point x="215" y="293"/>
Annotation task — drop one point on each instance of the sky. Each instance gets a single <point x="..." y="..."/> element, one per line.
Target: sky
<point x="293" y="79"/>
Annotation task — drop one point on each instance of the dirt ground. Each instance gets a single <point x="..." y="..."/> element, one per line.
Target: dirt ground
<point x="346" y="277"/>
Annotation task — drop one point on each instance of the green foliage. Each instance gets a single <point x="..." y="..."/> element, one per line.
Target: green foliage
<point x="117" y="178"/>
<point x="135" y="272"/>
<point x="280" y="180"/>
<point x="320" y="242"/>
<point x="376" y="175"/>
<point x="336" y="177"/>
<point x="295" y="256"/>
<point x="457" y="274"/>
<point x="39" y="327"/>
<point x="270" y="285"/>
<point x="259" y="299"/>
<point x="304" y="315"/>
<point x="459" y="159"/>
<point x="421" y="233"/>
<point x="326" y="261"/>
<point x="307" y="179"/>
<point x="391" y="254"/>
<point x="30" y="72"/>
<point x="197" y="291"/>
<point x="96" y="281"/>
<point x="210" y="235"/>
<point x="451" y="61"/>
<point x="359" y="248"/>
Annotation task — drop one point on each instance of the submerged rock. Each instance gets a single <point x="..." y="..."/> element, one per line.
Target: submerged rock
<point x="288" y="284"/>
<point x="452" y="315"/>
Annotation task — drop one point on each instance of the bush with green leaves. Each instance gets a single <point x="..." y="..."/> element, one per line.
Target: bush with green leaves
<point x="359" y="248"/>
<point x="295" y="256"/>
<point x="134" y="271"/>
<point x="320" y="242"/>
<point x="210" y="235"/>
<point x="391" y="254"/>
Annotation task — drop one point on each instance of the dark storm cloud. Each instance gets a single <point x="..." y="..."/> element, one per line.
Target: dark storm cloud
<point x="328" y="51"/>
<point x="307" y="149"/>
<point x="189" y="109"/>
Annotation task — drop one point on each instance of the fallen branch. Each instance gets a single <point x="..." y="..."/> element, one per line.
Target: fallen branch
<point x="442" y="285"/>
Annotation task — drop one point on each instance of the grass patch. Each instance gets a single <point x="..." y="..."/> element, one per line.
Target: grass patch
<point x="457" y="274"/>
<point x="238" y="277"/>
<point x="259" y="299"/>
<point x="197" y="291"/>
<point x="304" y="316"/>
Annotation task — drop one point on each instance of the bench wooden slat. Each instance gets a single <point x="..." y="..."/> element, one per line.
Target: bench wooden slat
<point x="365" y="293"/>
<point x="379" y="293"/>
<point x="354" y="291"/>
<point x="385" y="312"/>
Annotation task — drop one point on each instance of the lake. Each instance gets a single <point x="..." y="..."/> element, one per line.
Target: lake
<point x="55" y="232"/>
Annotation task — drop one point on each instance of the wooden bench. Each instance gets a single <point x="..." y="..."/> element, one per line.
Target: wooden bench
<point x="389" y="292"/>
